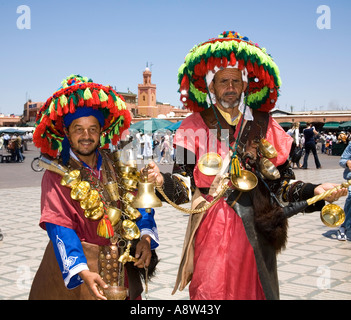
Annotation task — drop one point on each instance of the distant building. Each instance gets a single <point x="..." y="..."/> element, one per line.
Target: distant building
<point x="9" y="121"/>
<point x="141" y="105"/>
<point x="30" y="111"/>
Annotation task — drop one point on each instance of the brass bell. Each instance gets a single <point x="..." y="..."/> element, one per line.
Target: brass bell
<point x="332" y="215"/>
<point x="267" y="149"/>
<point x="146" y="197"/>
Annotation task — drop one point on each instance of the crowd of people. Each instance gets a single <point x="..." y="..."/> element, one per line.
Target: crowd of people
<point x="157" y="146"/>
<point x="12" y="146"/>
<point x="309" y="140"/>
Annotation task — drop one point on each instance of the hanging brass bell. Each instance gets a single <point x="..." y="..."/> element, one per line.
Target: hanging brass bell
<point x="146" y="197"/>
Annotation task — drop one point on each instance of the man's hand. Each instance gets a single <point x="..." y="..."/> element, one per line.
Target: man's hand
<point x="154" y="174"/>
<point x="143" y="252"/>
<point x="333" y="196"/>
<point x="93" y="281"/>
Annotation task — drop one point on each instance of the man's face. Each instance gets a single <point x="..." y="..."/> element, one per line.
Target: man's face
<point x="84" y="135"/>
<point x="227" y="86"/>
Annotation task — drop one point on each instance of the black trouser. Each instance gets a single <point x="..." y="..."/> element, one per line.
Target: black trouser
<point x="311" y="146"/>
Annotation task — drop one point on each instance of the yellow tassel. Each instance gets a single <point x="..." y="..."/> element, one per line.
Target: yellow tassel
<point x="102" y="95"/>
<point x="235" y="167"/>
<point x="87" y="94"/>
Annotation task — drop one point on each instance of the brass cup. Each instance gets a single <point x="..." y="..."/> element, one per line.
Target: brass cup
<point x="210" y="163"/>
<point x="112" y="189"/>
<point x="268" y="169"/>
<point x="246" y="182"/>
<point x="95" y="213"/>
<point x="115" y="293"/>
<point x="132" y="213"/>
<point x="91" y="201"/>
<point x="127" y="171"/>
<point x="130" y="184"/>
<point x="267" y="149"/>
<point x="130" y="230"/>
<point x="80" y="191"/>
<point x="114" y="215"/>
<point x="128" y="197"/>
<point x="332" y="215"/>
<point x="71" y="179"/>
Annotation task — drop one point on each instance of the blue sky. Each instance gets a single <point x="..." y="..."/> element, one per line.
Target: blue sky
<point x="111" y="41"/>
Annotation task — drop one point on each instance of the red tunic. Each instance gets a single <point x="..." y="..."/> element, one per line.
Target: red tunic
<point x="59" y="208"/>
<point x="224" y="261"/>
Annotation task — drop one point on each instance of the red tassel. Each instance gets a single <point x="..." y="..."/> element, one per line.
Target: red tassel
<point x="249" y="67"/>
<point x="110" y="103"/>
<point x="232" y="59"/>
<point x="65" y="108"/>
<point x="72" y="108"/>
<point x="59" y="109"/>
<point x="53" y="115"/>
<point x="81" y="102"/>
<point x="224" y="62"/>
<point x="89" y="102"/>
<point x="96" y="98"/>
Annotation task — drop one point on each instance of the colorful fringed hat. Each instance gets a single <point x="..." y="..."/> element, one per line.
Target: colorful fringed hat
<point x="229" y="49"/>
<point x="77" y="91"/>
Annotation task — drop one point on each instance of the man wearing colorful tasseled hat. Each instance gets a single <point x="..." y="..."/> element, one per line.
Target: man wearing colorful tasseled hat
<point x="80" y="211"/>
<point x="229" y="252"/>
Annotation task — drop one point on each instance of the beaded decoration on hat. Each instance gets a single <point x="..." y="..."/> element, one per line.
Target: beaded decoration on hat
<point x="229" y="49"/>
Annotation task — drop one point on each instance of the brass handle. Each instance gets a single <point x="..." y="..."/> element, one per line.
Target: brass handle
<point x="328" y="193"/>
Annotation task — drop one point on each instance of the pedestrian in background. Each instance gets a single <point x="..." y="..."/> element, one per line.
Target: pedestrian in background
<point x="345" y="162"/>
<point x="310" y="145"/>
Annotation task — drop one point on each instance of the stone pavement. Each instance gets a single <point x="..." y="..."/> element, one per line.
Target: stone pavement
<point x="314" y="265"/>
